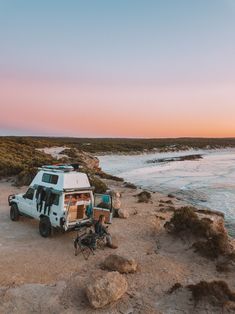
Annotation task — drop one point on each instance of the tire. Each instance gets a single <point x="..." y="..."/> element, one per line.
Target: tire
<point x="45" y="227"/>
<point x="14" y="213"/>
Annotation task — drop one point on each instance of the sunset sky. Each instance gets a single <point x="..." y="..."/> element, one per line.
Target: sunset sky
<point x="126" y="68"/>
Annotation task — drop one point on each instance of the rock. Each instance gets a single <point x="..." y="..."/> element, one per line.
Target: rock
<point x="106" y="289"/>
<point x="123" y="213"/>
<point x="130" y="185"/>
<point x="121" y="264"/>
<point x="144" y="197"/>
<point x="116" y="203"/>
<point x="169" y="202"/>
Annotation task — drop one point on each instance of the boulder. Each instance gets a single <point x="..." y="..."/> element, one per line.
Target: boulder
<point x="106" y="289"/>
<point x="116" y="203"/>
<point x="116" y="200"/>
<point x="144" y="197"/>
<point x="121" y="264"/>
<point x="123" y="213"/>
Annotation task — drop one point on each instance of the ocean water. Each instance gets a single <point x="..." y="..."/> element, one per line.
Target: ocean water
<point x="207" y="182"/>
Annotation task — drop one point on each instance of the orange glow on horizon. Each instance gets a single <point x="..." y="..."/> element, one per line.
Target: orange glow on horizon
<point x="123" y="111"/>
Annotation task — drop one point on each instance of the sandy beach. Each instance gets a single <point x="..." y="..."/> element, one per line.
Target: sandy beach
<point x="43" y="276"/>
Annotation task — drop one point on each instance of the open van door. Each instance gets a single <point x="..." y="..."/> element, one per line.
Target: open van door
<point x="102" y="206"/>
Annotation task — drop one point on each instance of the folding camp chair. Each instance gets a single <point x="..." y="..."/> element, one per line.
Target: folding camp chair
<point x="100" y="242"/>
<point x="84" y="243"/>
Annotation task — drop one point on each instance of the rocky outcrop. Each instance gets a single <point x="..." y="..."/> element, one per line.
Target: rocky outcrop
<point x="106" y="289"/>
<point x="129" y="185"/>
<point x="177" y="158"/>
<point x="212" y="240"/>
<point x="121" y="264"/>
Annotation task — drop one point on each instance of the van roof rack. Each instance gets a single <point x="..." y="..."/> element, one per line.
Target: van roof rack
<point x="59" y="168"/>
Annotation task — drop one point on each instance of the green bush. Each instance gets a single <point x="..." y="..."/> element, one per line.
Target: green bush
<point x="26" y="176"/>
<point x="20" y="157"/>
<point x="186" y="220"/>
<point x="100" y="186"/>
<point x="213" y="247"/>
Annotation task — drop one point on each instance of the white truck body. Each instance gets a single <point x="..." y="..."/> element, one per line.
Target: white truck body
<point x="62" y="197"/>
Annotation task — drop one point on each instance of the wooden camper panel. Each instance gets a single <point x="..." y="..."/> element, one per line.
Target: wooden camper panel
<point x="76" y="212"/>
<point x="80" y="211"/>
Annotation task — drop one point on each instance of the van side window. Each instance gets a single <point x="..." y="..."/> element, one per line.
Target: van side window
<point x="29" y="194"/>
<point x="54" y="179"/>
<point x="50" y="178"/>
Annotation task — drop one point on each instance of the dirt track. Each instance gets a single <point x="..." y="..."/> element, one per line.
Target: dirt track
<point x="25" y="255"/>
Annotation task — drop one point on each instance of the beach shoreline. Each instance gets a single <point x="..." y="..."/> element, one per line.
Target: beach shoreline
<point x="207" y="182"/>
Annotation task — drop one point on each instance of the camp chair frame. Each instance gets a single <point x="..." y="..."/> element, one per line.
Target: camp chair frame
<point x="79" y="247"/>
<point x="100" y="242"/>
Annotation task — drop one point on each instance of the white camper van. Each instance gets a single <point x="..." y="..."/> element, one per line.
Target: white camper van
<point x="60" y="197"/>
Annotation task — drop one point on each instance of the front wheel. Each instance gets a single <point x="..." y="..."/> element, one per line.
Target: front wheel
<point x="45" y="227"/>
<point x="14" y="213"/>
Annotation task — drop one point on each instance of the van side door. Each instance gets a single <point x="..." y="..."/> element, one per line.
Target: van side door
<point x="28" y="203"/>
<point x="103" y="206"/>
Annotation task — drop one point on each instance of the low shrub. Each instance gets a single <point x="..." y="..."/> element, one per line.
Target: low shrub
<point x="227" y="264"/>
<point x="26" y="176"/>
<point x="214" y="292"/>
<point x="216" y="245"/>
<point x="175" y="287"/>
<point x="166" y="209"/>
<point x="100" y="186"/>
<point x="185" y="219"/>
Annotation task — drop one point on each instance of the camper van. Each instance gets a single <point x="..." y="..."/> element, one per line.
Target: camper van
<point x="60" y="197"/>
